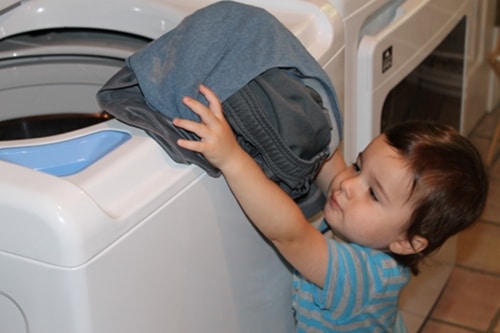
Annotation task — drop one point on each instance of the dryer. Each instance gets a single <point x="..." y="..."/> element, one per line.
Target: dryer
<point x="108" y="233"/>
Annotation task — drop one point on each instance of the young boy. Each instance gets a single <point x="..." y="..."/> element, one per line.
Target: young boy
<point x="411" y="189"/>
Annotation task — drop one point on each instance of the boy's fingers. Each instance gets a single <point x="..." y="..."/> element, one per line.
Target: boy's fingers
<point x="188" y="125"/>
<point x="213" y="100"/>
<point x="194" y="105"/>
<point x="197" y="107"/>
<point x="190" y="145"/>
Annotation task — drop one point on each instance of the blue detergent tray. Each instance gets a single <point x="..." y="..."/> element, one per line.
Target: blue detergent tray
<point x="64" y="158"/>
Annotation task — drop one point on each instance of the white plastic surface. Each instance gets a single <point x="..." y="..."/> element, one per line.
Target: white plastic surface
<point x="195" y="257"/>
<point x="12" y="317"/>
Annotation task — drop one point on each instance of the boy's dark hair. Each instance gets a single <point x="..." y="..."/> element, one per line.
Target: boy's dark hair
<point x="450" y="184"/>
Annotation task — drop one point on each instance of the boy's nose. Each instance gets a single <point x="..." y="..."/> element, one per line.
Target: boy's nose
<point x="350" y="186"/>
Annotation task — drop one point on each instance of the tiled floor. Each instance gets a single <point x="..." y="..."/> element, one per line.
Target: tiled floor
<point x="470" y="301"/>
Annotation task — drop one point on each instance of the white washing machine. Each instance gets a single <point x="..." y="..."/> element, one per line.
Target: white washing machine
<point x="101" y="231"/>
<point x="400" y="54"/>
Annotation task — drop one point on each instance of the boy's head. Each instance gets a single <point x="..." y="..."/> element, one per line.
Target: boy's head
<point x="449" y="186"/>
<point x="412" y="188"/>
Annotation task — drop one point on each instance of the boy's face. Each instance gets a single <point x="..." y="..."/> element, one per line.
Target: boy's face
<point x="368" y="201"/>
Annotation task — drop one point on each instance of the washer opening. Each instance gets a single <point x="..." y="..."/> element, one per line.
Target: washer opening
<point x="32" y="127"/>
<point x="49" y="78"/>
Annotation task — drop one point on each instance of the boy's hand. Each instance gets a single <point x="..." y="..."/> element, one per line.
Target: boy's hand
<point x="217" y="142"/>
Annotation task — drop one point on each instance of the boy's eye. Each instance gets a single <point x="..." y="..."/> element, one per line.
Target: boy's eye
<point x="356" y="165"/>
<point x="357" y="168"/>
<point x="373" y="195"/>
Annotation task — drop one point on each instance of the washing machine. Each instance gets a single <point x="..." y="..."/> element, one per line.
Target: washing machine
<point x="410" y="59"/>
<point x="100" y="230"/>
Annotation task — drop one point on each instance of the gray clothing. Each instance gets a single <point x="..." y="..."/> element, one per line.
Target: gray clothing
<point x="238" y="51"/>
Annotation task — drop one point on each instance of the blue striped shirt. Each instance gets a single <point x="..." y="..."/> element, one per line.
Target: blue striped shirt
<point x="360" y="293"/>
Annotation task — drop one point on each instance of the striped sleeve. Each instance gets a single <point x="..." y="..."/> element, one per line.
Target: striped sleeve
<point x="361" y="291"/>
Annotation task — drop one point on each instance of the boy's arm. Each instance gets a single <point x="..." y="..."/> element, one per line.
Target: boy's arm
<point x="271" y="210"/>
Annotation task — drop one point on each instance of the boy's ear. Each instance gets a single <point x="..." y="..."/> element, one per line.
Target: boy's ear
<point x="405" y="246"/>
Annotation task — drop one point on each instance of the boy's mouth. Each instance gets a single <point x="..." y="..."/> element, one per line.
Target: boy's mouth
<point x="333" y="201"/>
